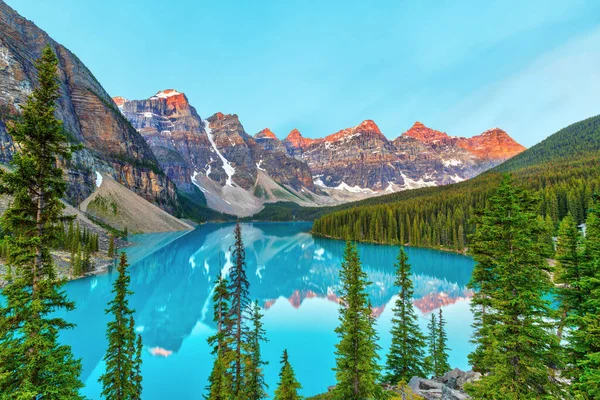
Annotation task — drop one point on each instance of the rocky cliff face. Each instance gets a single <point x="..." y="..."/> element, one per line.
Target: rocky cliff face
<point x="362" y="160"/>
<point x="87" y="111"/>
<point x="236" y="172"/>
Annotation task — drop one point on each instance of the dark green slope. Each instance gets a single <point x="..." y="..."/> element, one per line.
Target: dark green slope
<point x="564" y="170"/>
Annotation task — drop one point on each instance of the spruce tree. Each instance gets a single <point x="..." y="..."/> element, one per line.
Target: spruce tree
<point x="111" y="246"/>
<point x="119" y="381"/>
<point x="441" y="347"/>
<point x="32" y="362"/>
<point x="431" y="359"/>
<point x="514" y="324"/>
<point x="137" y="368"/>
<point x="255" y="386"/>
<point x="568" y="277"/>
<point x="238" y="313"/>
<point x="407" y="352"/>
<point x="288" y="386"/>
<point x="220" y="379"/>
<point x="357" y="371"/>
<point x="584" y="339"/>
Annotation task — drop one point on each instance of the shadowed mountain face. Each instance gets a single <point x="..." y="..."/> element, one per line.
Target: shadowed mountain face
<point x="89" y="116"/>
<point x="236" y="172"/>
<point x="290" y="274"/>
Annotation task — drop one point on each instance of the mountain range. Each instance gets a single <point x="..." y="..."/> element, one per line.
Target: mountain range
<point x="162" y="149"/>
<point x="237" y="172"/>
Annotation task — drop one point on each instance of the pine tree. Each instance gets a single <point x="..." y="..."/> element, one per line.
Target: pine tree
<point x="288" y="386"/>
<point x="220" y="379"/>
<point x="584" y="339"/>
<point x="119" y="381"/>
<point x="255" y="386"/>
<point x="238" y="313"/>
<point x="513" y="321"/>
<point x="432" y="340"/>
<point x="568" y="277"/>
<point x="441" y="348"/>
<point x="357" y="371"/>
<point x="111" y="246"/>
<point x="32" y="362"/>
<point x="77" y="262"/>
<point x="137" y="368"/>
<point x="407" y="352"/>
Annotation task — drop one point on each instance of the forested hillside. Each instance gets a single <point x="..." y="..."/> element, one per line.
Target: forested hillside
<point x="563" y="170"/>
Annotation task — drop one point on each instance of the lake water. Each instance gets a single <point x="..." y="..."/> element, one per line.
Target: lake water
<point x="293" y="276"/>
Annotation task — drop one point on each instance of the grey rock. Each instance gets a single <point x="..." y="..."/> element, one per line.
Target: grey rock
<point x="419" y="384"/>
<point x="452" y="394"/>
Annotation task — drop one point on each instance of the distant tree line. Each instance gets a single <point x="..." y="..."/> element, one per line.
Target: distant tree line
<point x="562" y="172"/>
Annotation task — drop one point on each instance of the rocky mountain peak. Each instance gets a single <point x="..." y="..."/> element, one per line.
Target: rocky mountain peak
<point x="295" y="139"/>
<point x="365" y="127"/>
<point x="119" y="101"/>
<point x="265" y="134"/>
<point x="424" y="134"/>
<point x="163" y="94"/>
<point x="493" y="144"/>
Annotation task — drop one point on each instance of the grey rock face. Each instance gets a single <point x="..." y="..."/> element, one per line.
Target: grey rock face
<point x="87" y="111"/>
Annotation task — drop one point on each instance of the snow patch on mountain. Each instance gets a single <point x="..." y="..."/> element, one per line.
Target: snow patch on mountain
<point x="229" y="169"/>
<point x="412" y="184"/>
<point x="353" y="189"/>
<point x="98" y="179"/>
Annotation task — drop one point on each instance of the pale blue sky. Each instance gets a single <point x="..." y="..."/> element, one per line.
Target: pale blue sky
<point x="529" y="67"/>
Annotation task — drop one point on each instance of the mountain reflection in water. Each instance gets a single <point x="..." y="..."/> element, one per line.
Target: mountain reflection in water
<point x="294" y="277"/>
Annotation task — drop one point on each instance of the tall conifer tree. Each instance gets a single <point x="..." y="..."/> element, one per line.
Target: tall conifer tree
<point x="288" y="386"/>
<point x="407" y="351"/>
<point x="585" y="336"/>
<point x="32" y="362"/>
<point x="441" y="347"/>
<point x="220" y="379"/>
<point x="357" y="371"/>
<point x="514" y="322"/>
<point x="238" y="313"/>
<point x="120" y="380"/>
<point x="432" y="335"/>
<point x="255" y="386"/>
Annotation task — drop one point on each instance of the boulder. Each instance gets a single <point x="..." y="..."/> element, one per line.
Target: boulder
<point x="420" y="384"/>
<point x="452" y="394"/>
<point x="468" y="377"/>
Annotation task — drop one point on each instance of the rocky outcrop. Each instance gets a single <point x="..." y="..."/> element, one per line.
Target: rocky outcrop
<point x="362" y="160"/>
<point x="217" y="155"/>
<point x="87" y="111"/>
<point x="448" y="387"/>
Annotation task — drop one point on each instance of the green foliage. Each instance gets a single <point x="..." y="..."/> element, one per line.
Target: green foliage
<point x="255" y="386"/>
<point x="407" y="352"/>
<point x="194" y="207"/>
<point x="32" y="362"/>
<point x="122" y="379"/>
<point x="357" y="370"/>
<point x="516" y="347"/>
<point x="584" y="318"/>
<point x="562" y="170"/>
<point x="104" y="204"/>
<point x="288" y="386"/>
<point x="441" y="347"/>
<point x="431" y="359"/>
<point x="238" y="313"/>
<point x="220" y="379"/>
<point x="111" y="245"/>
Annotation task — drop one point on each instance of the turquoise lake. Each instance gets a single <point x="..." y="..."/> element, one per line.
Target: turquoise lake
<point x="294" y="277"/>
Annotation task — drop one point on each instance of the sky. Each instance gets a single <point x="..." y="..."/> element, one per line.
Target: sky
<point x="528" y="67"/>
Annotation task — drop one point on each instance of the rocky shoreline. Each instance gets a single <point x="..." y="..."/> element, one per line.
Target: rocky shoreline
<point x="448" y="387"/>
